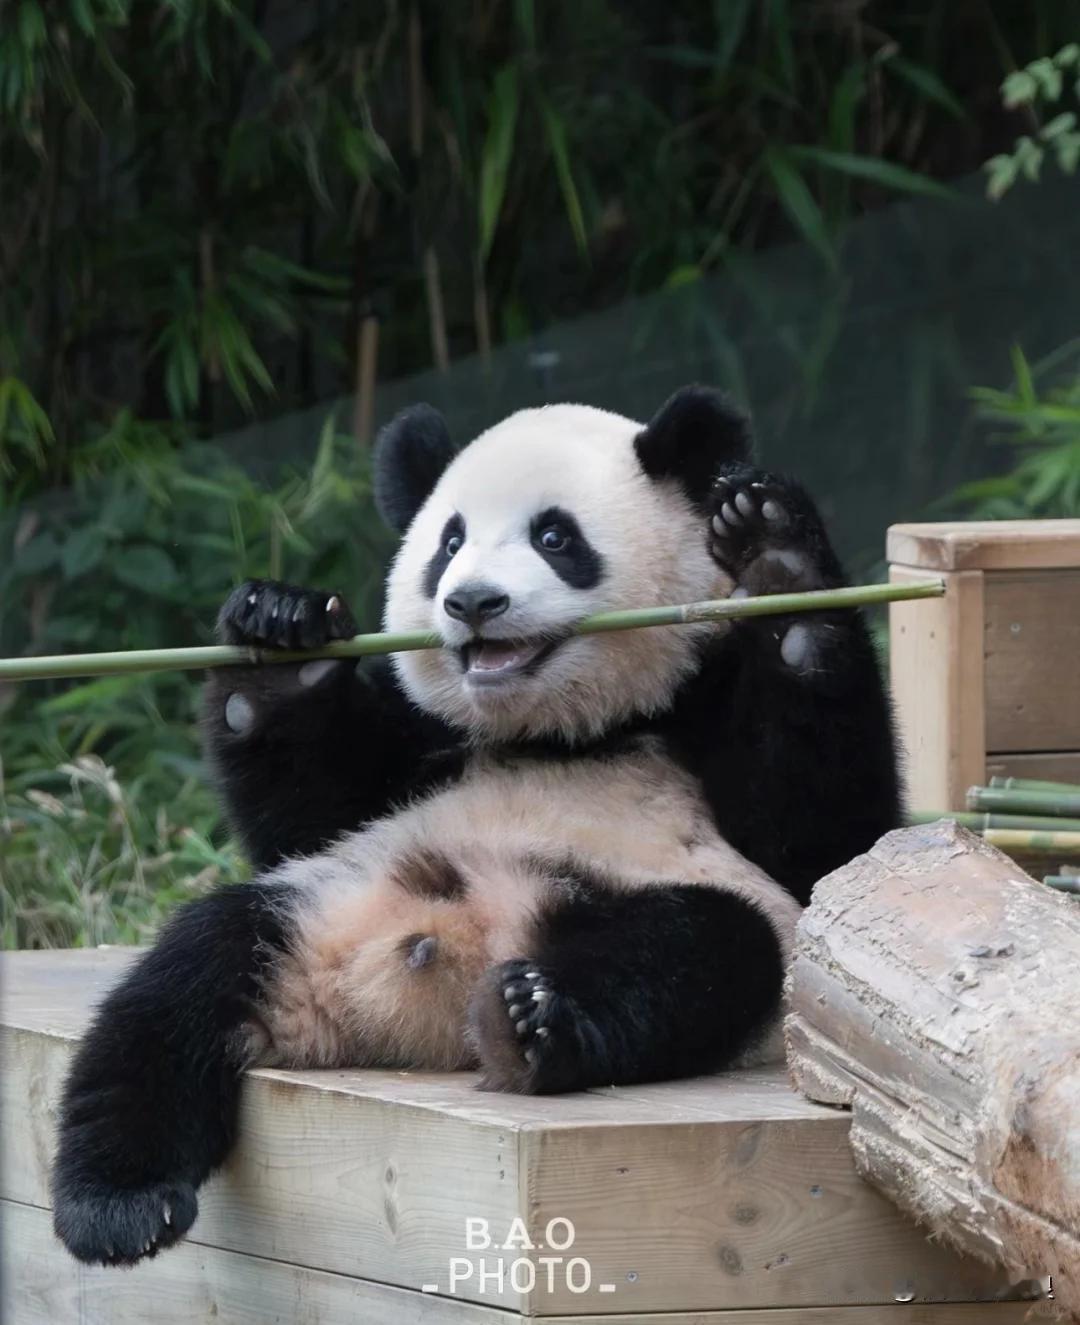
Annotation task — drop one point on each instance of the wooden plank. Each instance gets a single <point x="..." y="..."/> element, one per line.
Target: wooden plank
<point x="41" y="1286"/>
<point x="753" y="1215"/>
<point x="725" y="1192"/>
<point x="1032" y="647"/>
<point x="936" y="676"/>
<point x="1063" y="766"/>
<point x="986" y="545"/>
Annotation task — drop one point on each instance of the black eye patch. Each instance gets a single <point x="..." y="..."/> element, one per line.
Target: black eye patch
<point x="433" y="571"/>
<point x="569" y="553"/>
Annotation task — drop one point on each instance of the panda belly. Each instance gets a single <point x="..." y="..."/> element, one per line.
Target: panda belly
<point x="394" y="926"/>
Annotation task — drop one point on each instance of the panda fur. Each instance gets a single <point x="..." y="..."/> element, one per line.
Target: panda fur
<point x="564" y="860"/>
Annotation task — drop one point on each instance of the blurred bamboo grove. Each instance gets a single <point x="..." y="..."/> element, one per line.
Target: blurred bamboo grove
<point x="235" y="236"/>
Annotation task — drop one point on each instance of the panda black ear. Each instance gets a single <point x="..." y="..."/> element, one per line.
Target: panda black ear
<point x="691" y="436"/>
<point x="411" y="452"/>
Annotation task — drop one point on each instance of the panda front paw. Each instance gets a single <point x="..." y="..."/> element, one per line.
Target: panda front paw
<point x="766" y="533"/>
<point x="105" y="1225"/>
<point x="269" y="614"/>
<point x="528" y="1035"/>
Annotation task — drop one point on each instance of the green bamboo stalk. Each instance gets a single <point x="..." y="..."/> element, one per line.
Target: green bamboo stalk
<point x="1064" y="883"/>
<point x="1019" y="842"/>
<point x="1034" y="784"/>
<point x="1013" y="801"/>
<point x="64" y="666"/>
<point x="979" y="823"/>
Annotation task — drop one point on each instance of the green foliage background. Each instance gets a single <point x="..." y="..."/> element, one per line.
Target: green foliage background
<point x="210" y="209"/>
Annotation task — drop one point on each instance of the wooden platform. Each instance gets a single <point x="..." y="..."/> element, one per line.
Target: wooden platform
<point x="720" y="1201"/>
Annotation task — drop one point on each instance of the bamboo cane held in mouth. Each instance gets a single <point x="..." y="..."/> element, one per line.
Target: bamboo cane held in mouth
<point x="65" y="666"/>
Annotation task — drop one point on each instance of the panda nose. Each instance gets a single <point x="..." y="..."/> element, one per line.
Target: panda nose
<point x="476" y="603"/>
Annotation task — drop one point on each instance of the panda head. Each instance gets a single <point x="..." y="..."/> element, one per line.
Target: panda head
<point x="549" y="516"/>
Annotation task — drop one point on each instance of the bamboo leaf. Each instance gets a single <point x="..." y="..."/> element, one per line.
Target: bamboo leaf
<point x="498" y="147"/>
<point x="1024" y="384"/>
<point x="797" y="200"/>
<point x="846" y="96"/>
<point x="874" y="169"/>
<point x="730" y="18"/>
<point x="525" y="17"/>
<point x="555" y="128"/>
<point x="927" y="83"/>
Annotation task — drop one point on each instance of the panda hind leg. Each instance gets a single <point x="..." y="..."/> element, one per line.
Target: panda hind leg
<point x="652" y="983"/>
<point x="150" y="1104"/>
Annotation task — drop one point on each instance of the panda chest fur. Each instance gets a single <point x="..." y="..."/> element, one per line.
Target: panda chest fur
<point x="396" y="924"/>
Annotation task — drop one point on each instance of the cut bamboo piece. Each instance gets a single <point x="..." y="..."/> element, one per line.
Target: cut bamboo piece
<point x="1022" y="800"/>
<point x="1064" y="883"/>
<point x="1034" y="784"/>
<point x="1030" y="843"/>
<point x="934" y="991"/>
<point x="981" y="823"/>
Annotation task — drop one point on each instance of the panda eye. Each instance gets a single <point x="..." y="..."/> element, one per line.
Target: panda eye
<point x="453" y="545"/>
<point x="554" y="539"/>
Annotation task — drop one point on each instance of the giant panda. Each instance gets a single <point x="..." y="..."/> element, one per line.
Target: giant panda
<point x="566" y="861"/>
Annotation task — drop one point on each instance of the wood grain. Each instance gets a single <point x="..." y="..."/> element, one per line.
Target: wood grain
<point x="986" y="545"/>
<point x="196" y="1283"/>
<point x="1032" y="650"/>
<point x="725" y="1192"/>
<point x="936" y="676"/>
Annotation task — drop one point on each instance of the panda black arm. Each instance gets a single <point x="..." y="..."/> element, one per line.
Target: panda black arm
<point x="305" y="753"/>
<point x="788" y="724"/>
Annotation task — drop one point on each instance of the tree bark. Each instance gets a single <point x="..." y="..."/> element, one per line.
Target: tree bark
<point x="935" y="990"/>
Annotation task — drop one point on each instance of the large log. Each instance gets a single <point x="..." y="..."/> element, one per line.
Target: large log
<point x="935" y="991"/>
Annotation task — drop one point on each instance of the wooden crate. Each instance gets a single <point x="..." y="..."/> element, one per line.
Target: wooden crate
<point x="986" y="679"/>
<point x="721" y="1201"/>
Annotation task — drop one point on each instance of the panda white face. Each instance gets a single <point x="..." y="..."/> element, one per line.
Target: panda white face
<point x="543" y="520"/>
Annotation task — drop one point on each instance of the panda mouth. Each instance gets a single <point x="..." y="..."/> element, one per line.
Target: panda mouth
<point x="489" y="662"/>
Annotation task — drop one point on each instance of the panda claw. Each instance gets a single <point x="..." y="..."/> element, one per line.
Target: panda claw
<point x="530" y="1057"/>
<point x="773" y="511"/>
<point x="542" y="1032"/>
<point x="521" y="1026"/>
<point x="731" y="516"/>
<point x="745" y="505"/>
<point x="166" y="1215"/>
<point x="532" y="975"/>
<point x="540" y="995"/>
